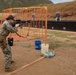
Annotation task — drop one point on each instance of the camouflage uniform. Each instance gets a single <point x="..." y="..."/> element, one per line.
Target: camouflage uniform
<point x="6" y="49"/>
<point x="57" y="16"/>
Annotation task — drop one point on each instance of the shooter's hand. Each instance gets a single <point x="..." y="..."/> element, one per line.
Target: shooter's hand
<point x="17" y="25"/>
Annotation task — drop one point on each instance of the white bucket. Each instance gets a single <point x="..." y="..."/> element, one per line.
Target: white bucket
<point x="44" y="48"/>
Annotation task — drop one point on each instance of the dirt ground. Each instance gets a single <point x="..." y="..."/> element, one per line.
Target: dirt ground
<point x="63" y="63"/>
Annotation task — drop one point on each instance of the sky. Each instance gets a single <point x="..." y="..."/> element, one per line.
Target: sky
<point x="60" y="1"/>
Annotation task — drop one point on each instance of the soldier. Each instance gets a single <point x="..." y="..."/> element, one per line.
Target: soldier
<point x="33" y="19"/>
<point x="4" y="32"/>
<point x="58" y="16"/>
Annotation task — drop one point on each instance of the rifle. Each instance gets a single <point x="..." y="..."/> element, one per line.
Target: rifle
<point x="20" y="22"/>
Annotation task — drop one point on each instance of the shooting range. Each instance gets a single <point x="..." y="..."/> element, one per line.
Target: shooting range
<point x="37" y="17"/>
<point x="45" y="46"/>
<point x="35" y="27"/>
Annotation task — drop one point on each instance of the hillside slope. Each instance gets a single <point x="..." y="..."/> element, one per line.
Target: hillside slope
<point x="67" y="10"/>
<point x="21" y="3"/>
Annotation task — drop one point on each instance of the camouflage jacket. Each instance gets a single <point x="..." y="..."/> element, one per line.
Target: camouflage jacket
<point x="7" y="28"/>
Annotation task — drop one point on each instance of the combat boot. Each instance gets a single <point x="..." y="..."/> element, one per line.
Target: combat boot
<point x="7" y="70"/>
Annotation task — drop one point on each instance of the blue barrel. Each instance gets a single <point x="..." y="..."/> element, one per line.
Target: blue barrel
<point x="38" y="45"/>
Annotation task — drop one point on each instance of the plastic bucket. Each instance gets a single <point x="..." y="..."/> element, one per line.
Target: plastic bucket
<point x="38" y="45"/>
<point x="44" y="48"/>
<point x="10" y="41"/>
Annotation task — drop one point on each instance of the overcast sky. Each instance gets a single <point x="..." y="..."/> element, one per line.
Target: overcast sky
<point x="60" y="1"/>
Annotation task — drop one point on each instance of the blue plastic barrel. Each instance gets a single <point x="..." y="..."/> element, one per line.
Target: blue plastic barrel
<point x="38" y="45"/>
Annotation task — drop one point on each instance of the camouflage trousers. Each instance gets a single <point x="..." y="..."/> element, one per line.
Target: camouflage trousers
<point x="7" y="55"/>
<point x="6" y="49"/>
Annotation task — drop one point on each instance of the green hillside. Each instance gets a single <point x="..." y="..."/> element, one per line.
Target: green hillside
<point x="21" y="3"/>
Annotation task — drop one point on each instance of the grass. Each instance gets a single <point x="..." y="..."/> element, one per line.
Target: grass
<point x="59" y="34"/>
<point x="73" y="38"/>
<point x="27" y="46"/>
<point x="56" y="43"/>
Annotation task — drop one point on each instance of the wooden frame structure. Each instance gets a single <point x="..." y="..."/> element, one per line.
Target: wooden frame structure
<point x="38" y="16"/>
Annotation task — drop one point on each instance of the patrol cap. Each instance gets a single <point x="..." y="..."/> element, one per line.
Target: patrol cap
<point x="10" y="17"/>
